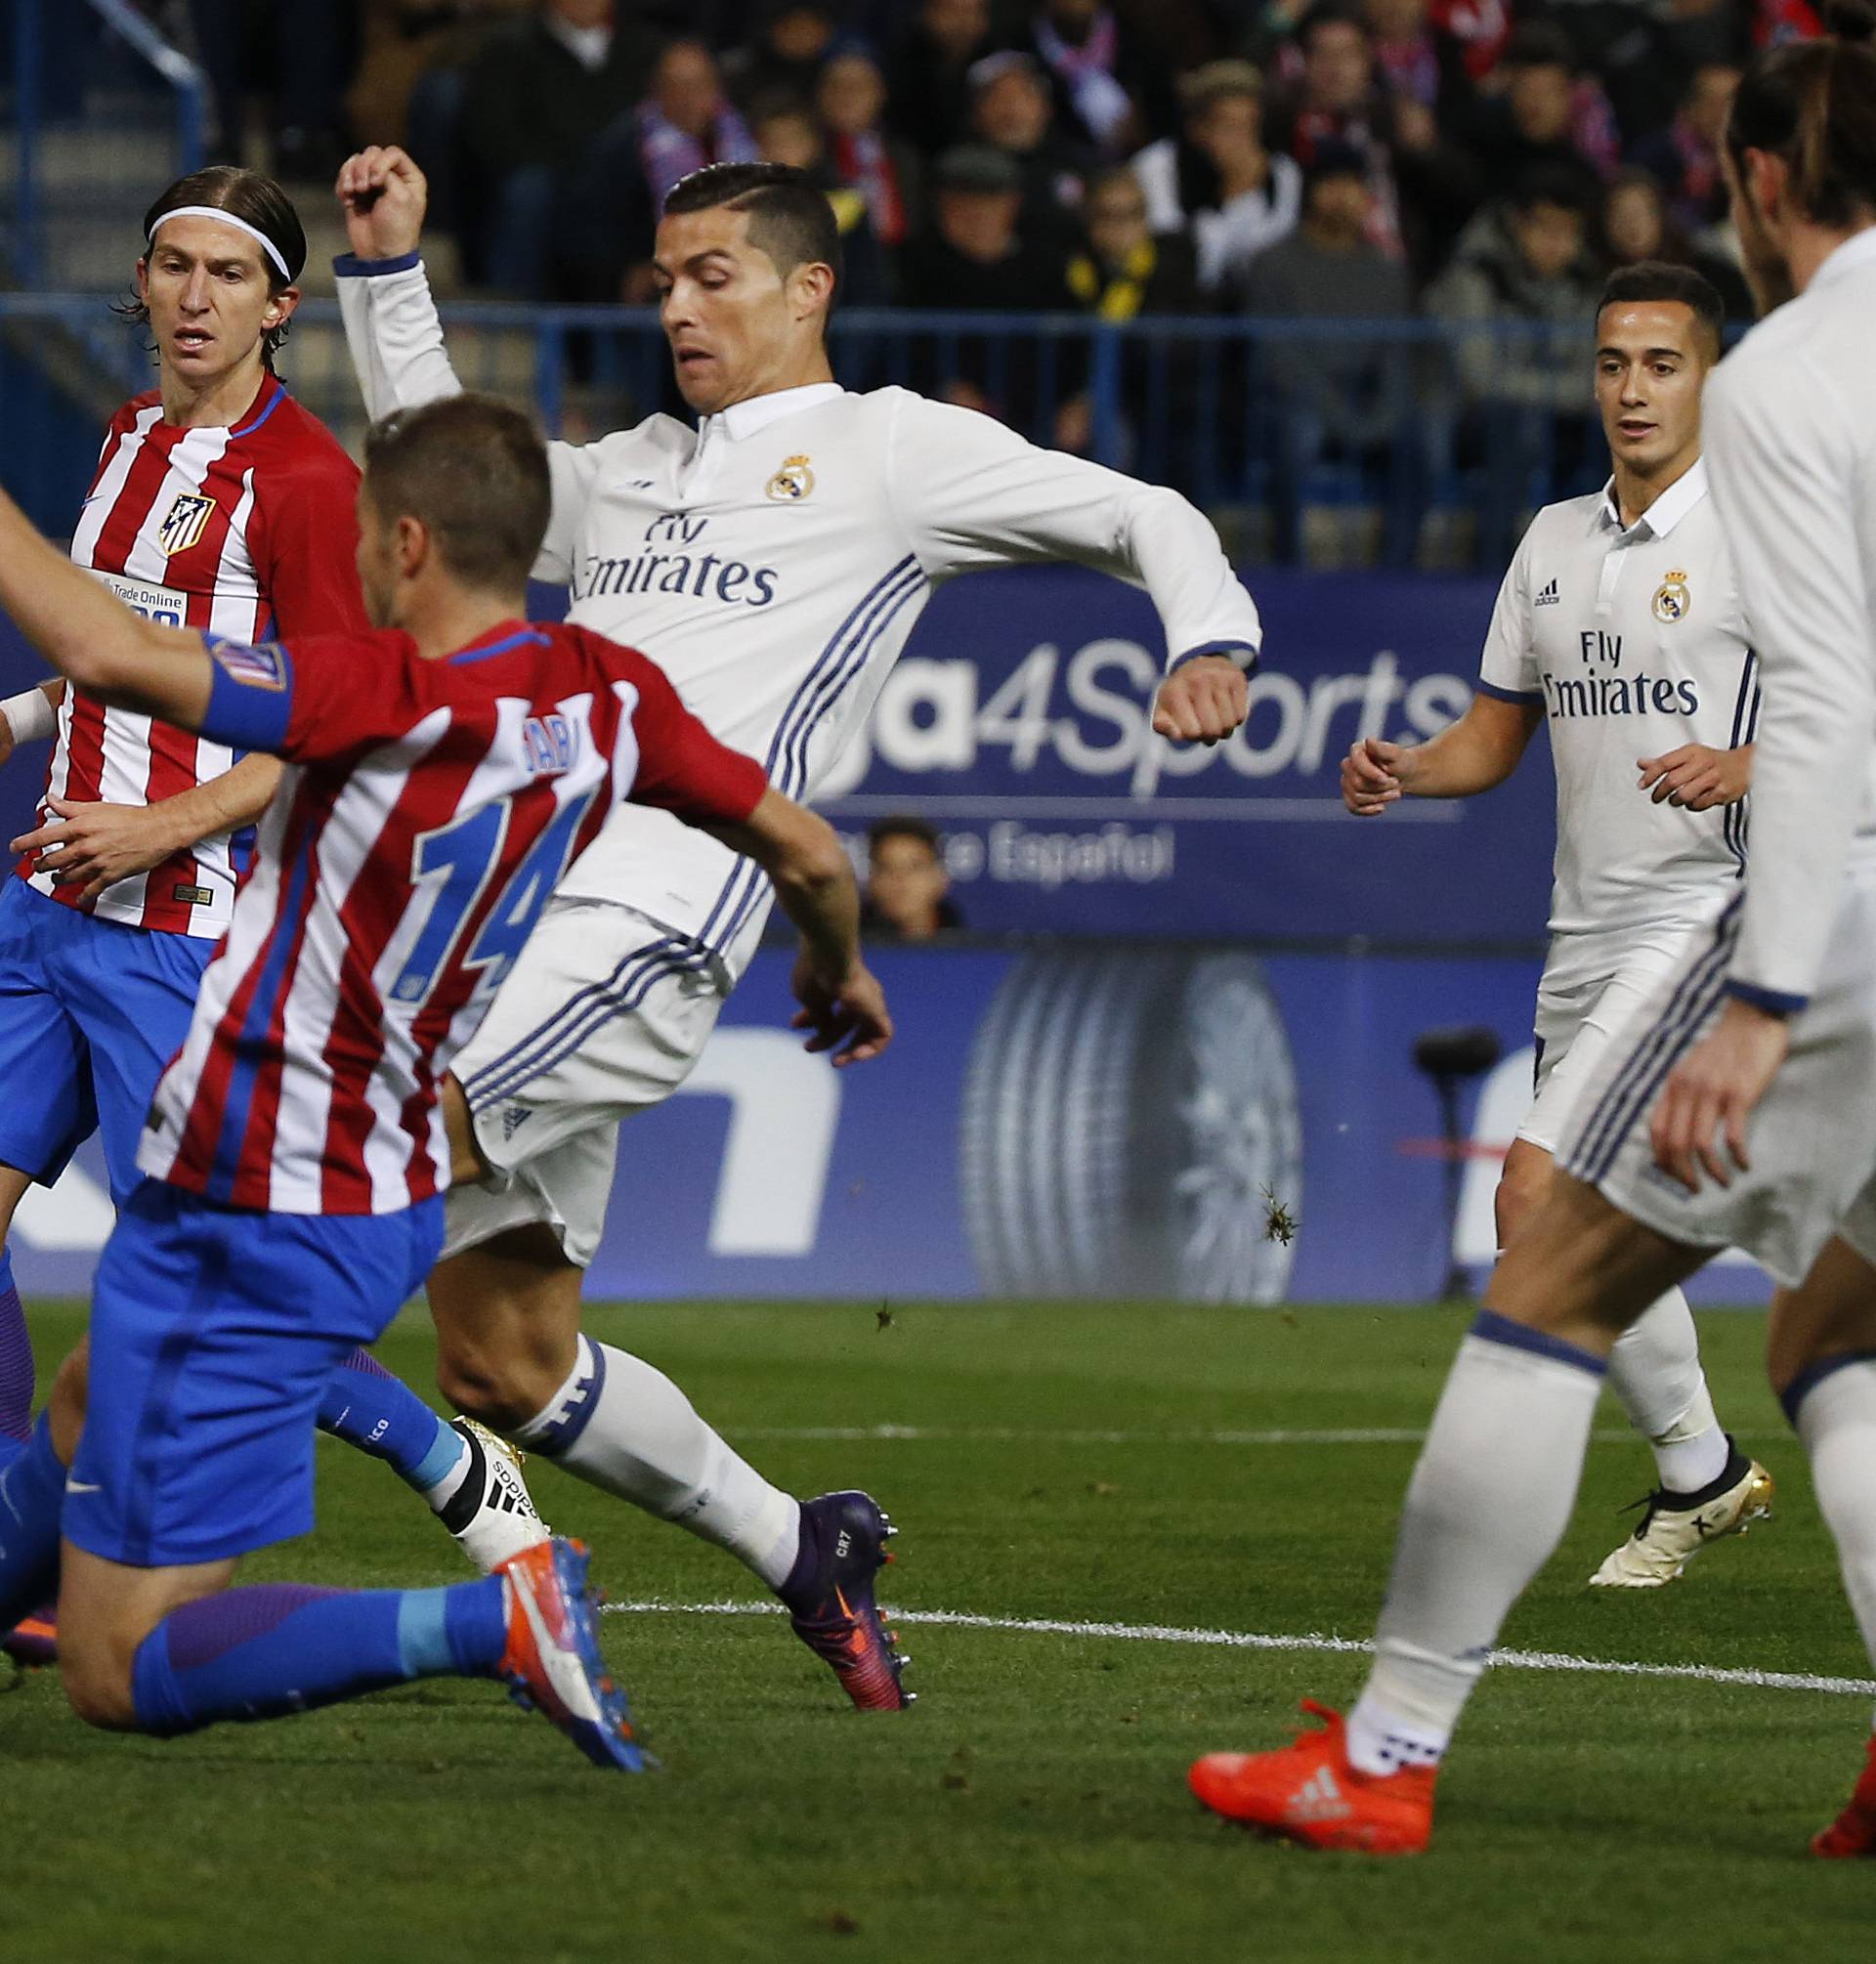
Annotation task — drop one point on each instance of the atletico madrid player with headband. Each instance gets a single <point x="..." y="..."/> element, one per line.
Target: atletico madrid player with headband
<point x="218" y="503"/>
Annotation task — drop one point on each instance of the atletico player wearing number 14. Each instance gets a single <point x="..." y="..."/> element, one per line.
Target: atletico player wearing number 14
<point x="441" y="780"/>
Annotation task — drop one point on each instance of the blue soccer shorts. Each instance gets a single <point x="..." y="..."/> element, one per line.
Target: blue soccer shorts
<point x="213" y="1333"/>
<point x="91" y="1013"/>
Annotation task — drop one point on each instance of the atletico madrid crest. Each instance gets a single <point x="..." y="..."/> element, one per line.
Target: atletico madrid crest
<point x="187" y="520"/>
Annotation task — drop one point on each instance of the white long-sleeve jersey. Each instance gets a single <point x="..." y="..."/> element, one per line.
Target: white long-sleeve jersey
<point x="772" y="562"/>
<point x="1790" y="430"/>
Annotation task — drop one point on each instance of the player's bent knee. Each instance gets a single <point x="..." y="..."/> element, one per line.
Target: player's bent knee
<point x="1583" y="1269"/>
<point x="65" y="1403"/>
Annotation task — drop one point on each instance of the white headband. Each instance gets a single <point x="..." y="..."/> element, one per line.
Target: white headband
<point x="221" y="217"/>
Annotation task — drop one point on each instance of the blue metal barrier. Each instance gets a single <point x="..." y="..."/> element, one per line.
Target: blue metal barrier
<point x="1290" y="431"/>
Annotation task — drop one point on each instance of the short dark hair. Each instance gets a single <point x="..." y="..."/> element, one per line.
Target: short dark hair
<point x="1656" y="279"/>
<point x="473" y="470"/>
<point x="253" y="198"/>
<point x="1330" y="14"/>
<point x="1814" y="104"/>
<point x="905" y="825"/>
<point x="1548" y="184"/>
<point x="789" y="216"/>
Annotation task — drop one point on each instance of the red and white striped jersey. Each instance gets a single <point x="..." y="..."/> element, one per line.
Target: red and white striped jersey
<point x="433" y="807"/>
<point x="247" y="531"/>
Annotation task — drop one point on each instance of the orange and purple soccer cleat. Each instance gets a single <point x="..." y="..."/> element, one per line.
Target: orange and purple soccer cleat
<point x="830" y="1602"/>
<point x="1853" y="1831"/>
<point x="1308" y="1792"/>
<point x="552" y="1664"/>
<point x="33" y="1642"/>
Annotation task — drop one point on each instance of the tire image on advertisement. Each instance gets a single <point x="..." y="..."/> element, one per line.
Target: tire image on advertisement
<point x="1129" y="1122"/>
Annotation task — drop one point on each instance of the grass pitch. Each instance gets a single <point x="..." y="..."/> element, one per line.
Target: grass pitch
<point x="1052" y="1464"/>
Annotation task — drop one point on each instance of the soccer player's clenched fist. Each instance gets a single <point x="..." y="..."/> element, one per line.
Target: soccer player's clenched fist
<point x="1203" y="701"/>
<point x="383" y="195"/>
<point x="1370" y="776"/>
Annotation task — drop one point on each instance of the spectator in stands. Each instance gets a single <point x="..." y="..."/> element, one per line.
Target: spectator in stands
<point x="908" y="895"/>
<point x="687" y="121"/>
<point x="1013" y="110"/>
<point x="1338" y="398"/>
<point x="298" y="58"/>
<point x="1419" y="61"/>
<point x="535" y="99"/>
<point x="850" y="95"/>
<point x="787" y="132"/>
<point x="974" y="259"/>
<point x="1124" y="270"/>
<point x="928" y="87"/>
<point x="1215" y="182"/>
<point x="1685" y="155"/>
<point x="1526" y="266"/>
<point x="784" y="59"/>
<point x="1112" y="86"/>
<point x="1638" y="226"/>
<point x="1546" y="118"/>
<point x="1421" y="185"/>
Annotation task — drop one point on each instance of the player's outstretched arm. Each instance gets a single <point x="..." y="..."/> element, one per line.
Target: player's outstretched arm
<point x="91" y="637"/>
<point x="842" y="1005"/>
<point x="93" y="846"/>
<point x="1473" y="754"/>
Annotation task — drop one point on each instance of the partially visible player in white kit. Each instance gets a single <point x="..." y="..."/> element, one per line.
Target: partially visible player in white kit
<point x="1618" y="625"/>
<point x="772" y="561"/>
<point x="1739" y="1106"/>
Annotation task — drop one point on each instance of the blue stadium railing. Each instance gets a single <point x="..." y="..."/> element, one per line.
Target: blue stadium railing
<point x="1390" y="430"/>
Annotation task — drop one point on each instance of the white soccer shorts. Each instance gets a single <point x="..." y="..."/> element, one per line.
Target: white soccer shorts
<point x="1813" y="1138"/>
<point x="605" y="1015"/>
<point x="1593" y="985"/>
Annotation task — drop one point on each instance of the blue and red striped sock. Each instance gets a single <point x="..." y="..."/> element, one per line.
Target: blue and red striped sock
<point x="284" y="1647"/>
<point x="366" y="1407"/>
<point x="15" y="1357"/>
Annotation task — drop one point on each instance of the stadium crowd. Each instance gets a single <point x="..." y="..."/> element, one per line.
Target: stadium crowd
<point x="1279" y="156"/>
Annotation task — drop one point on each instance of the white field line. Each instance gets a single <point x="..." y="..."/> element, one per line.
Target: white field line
<point x="1373" y="1436"/>
<point x="1314" y="1641"/>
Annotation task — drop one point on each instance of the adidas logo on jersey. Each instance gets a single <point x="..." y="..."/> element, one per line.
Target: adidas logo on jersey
<point x="1319" y="1798"/>
<point x="1548" y="597"/>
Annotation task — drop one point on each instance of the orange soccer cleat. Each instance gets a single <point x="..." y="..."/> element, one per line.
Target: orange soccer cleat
<point x="1853" y="1831"/>
<point x="1308" y="1792"/>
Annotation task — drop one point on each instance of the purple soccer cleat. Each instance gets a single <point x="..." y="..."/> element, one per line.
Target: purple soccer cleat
<point x="830" y="1601"/>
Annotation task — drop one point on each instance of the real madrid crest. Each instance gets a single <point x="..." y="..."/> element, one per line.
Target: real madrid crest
<point x="1672" y="600"/>
<point x="792" y="482"/>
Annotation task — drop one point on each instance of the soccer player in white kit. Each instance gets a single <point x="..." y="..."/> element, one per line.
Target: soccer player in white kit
<point x="772" y="561"/>
<point x="1618" y="626"/>
<point x="1740" y="1103"/>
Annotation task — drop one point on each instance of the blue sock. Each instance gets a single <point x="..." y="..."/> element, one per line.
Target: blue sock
<point x="15" y="1358"/>
<point x="366" y="1407"/>
<point x="32" y="1504"/>
<point x="284" y="1647"/>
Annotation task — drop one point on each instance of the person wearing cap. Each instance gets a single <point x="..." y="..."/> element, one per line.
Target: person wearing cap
<point x="1216" y="181"/>
<point x="218" y="503"/>
<point x="1013" y="110"/>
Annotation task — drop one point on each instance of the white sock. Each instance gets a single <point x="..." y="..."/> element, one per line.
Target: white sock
<point x="1486" y="1508"/>
<point x="1654" y="1370"/>
<point x="626" y="1427"/>
<point x="1836" y="1420"/>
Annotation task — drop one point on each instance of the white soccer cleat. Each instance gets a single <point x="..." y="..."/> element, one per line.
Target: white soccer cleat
<point x="491" y="1513"/>
<point x="1668" y="1538"/>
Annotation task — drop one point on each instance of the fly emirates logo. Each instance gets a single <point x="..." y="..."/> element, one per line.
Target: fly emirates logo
<point x="674" y="560"/>
<point x="1601" y="690"/>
